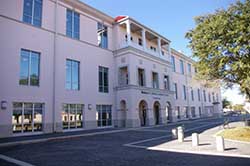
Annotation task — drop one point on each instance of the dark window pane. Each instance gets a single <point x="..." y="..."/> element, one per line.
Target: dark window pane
<point x="27" y="11"/>
<point x="76" y="25"/>
<point x="69" y="23"/>
<point x="34" y="69"/>
<point x="24" y="68"/>
<point x="37" y="13"/>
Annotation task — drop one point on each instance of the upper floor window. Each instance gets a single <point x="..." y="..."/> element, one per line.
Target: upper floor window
<point x="32" y="12"/>
<point x="166" y="82"/>
<point x="155" y="80"/>
<point x="181" y="66"/>
<point x="102" y="35"/>
<point x="192" y="94"/>
<point x="29" y="68"/>
<point x="103" y="79"/>
<point x="72" y="75"/>
<point x="199" y="95"/>
<point x="204" y="95"/>
<point x="173" y="62"/>
<point x="209" y="97"/>
<point x="141" y="77"/>
<point x="184" y="92"/>
<point x="217" y="97"/>
<point x="176" y="90"/>
<point x="73" y="24"/>
<point x="213" y="97"/>
<point x="123" y="76"/>
<point x="189" y="69"/>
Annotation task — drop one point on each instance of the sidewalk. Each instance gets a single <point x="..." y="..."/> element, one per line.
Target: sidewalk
<point x="208" y="145"/>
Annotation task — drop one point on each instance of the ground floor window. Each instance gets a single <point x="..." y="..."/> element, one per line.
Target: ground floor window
<point x="177" y="108"/>
<point x="186" y="112"/>
<point x="193" y="111"/>
<point x="103" y="115"/>
<point x="72" y="116"/>
<point x="27" y="117"/>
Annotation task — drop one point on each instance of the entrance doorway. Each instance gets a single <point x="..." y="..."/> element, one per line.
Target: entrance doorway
<point x="143" y="106"/>
<point x="157" y="112"/>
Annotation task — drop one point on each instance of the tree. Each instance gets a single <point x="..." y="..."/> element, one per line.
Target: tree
<point x="226" y="103"/>
<point x="221" y="45"/>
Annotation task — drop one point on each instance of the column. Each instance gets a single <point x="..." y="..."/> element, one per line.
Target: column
<point x="128" y="30"/>
<point x="159" y="45"/>
<point x="144" y="39"/>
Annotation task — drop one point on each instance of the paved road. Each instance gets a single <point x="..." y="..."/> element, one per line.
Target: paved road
<point x="109" y="149"/>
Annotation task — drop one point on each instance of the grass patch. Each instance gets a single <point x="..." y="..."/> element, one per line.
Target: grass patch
<point x="237" y="133"/>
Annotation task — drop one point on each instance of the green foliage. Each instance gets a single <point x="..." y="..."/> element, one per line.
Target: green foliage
<point x="226" y="103"/>
<point x="221" y="44"/>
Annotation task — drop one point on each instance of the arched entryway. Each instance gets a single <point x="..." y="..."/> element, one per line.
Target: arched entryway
<point x="143" y="106"/>
<point x="168" y="112"/>
<point x="123" y="109"/>
<point x="157" y="108"/>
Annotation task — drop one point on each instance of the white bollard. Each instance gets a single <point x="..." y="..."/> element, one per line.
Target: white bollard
<point x="220" y="145"/>
<point x="174" y="133"/>
<point x="195" y="139"/>
<point x="180" y="134"/>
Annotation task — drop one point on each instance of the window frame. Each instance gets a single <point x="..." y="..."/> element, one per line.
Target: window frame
<point x="32" y="13"/>
<point x="73" y="33"/>
<point x="71" y="75"/>
<point x="104" y="29"/>
<point x="102" y="87"/>
<point x="29" y="67"/>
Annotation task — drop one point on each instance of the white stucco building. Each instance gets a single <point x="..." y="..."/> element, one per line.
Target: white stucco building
<point x="66" y="66"/>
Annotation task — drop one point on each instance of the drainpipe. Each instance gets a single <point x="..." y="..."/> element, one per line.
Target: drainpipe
<point x="54" y="68"/>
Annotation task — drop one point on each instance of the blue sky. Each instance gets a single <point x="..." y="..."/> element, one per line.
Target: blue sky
<point x="171" y="18"/>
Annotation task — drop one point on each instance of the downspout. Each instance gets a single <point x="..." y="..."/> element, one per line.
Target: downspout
<point x="54" y="68"/>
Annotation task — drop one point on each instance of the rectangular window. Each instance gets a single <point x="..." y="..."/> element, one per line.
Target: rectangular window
<point x="193" y="112"/>
<point x="184" y="92"/>
<point x="141" y="77"/>
<point x="176" y="90"/>
<point x="72" y="75"/>
<point x="102" y="35"/>
<point x="209" y="97"/>
<point x="178" y="113"/>
<point x="73" y="24"/>
<point x="166" y="82"/>
<point x="199" y="95"/>
<point x="173" y="63"/>
<point x="181" y="66"/>
<point x="217" y="97"/>
<point x="103" y="79"/>
<point x="32" y="12"/>
<point x="199" y="111"/>
<point x="72" y="116"/>
<point x="189" y="69"/>
<point x="123" y="76"/>
<point x="27" y="117"/>
<point x="155" y="80"/>
<point x="29" y="68"/>
<point x="192" y="94"/>
<point x="204" y="95"/>
<point x="104" y="115"/>
<point x="213" y="97"/>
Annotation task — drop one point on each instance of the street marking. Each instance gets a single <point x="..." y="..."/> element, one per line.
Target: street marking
<point x="199" y="152"/>
<point x="133" y="144"/>
<point x="15" y="161"/>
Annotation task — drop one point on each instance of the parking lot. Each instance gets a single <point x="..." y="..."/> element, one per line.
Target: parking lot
<point x="121" y="147"/>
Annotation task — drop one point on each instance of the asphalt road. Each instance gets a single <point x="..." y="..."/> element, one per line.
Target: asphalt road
<point x="110" y="149"/>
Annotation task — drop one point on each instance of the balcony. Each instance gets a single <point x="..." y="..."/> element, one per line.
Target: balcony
<point x="135" y="35"/>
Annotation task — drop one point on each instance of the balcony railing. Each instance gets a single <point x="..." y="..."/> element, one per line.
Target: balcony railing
<point x="156" y="53"/>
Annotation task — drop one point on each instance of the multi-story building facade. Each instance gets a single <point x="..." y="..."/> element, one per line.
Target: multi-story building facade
<point x="66" y="66"/>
